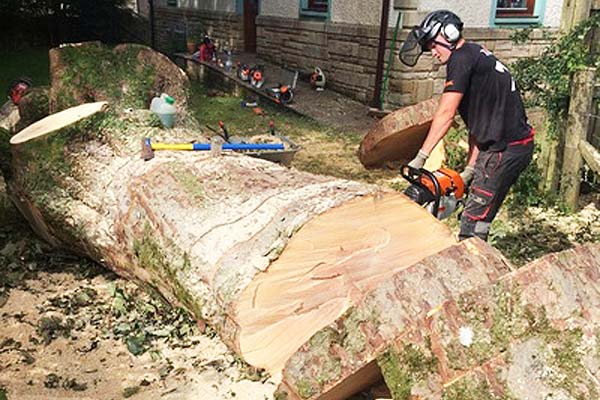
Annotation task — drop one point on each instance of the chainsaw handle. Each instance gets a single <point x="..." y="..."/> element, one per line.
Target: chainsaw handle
<point x="413" y="175"/>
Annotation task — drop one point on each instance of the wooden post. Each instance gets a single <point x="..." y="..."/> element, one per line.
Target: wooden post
<point x="573" y="12"/>
<point x="590" y="155"/>
<point x="577" y="127"/>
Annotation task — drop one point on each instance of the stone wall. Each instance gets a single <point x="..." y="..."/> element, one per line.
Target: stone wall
<point x="348" y="53"/>
<point x="173" y="25"/>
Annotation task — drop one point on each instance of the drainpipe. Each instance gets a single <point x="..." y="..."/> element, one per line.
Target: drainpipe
<point x="385" y="16"/>
<point x="152" y="39"/>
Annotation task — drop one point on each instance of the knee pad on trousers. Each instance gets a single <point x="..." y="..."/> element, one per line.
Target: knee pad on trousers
<point x="470" y="228"/>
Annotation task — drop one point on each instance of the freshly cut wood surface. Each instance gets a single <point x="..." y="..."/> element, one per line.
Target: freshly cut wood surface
<point x="329" y="265"/>
<point x="398" y="136"/>
<point x="58" y="121"/>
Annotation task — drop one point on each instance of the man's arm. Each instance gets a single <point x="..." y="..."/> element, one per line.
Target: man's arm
<point x="442" y="120"/>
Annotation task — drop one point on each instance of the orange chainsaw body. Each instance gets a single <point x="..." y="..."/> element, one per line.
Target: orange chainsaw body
<point x="449" y="181"/>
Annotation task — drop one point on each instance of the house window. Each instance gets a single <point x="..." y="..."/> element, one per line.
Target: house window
<point x="314" y="8"/>
<point x="517" y="13"/>
<point x="514" y="8"/>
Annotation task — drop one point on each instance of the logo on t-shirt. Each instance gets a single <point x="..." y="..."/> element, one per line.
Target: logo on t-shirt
<point x="448" y="84"/>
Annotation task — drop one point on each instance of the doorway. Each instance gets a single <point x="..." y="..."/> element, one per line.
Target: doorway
<point x="250" y="14"/>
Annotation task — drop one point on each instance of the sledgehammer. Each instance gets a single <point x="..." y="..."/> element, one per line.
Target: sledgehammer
<point x="148" y="147"/>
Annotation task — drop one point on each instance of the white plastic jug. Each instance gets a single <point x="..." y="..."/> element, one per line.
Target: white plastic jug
<point x="164" y="108"/>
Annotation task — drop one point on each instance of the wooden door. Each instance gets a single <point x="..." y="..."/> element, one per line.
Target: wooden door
<point x="250" y="14"/>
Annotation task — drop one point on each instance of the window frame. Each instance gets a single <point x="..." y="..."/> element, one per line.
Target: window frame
<point x="518" y="19"/>
<point x="306" y="10"/>
<point x="527" y="11"/>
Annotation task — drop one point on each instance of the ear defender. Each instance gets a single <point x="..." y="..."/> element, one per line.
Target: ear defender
<point x="451" y="32"/>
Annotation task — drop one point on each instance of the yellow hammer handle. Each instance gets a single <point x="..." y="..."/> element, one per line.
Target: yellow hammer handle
<point x="172" y="146"/>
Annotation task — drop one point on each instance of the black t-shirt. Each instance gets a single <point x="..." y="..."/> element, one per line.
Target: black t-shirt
<point x="491" y="106"/>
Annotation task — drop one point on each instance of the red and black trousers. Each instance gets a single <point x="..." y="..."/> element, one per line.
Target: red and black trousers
<point x="495" y="173"/>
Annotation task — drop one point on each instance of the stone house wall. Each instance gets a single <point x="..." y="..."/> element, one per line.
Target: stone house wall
<point x="348" y="54"/>
<point x="174" y="26"/>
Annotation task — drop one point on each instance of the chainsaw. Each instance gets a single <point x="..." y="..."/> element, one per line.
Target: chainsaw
<point x="17" y="89"/>
<point x="282" y="94"/>
<point x="440" y="192"/>
<point x="317" y="79"/>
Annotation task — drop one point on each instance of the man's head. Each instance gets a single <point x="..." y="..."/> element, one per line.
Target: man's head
<point x="441" y="48"/>
<point x="439" y="32"/>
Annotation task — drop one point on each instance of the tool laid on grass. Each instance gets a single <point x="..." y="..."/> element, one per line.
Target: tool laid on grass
<point x="149" y="147"/>
<point x="440" y="192"/>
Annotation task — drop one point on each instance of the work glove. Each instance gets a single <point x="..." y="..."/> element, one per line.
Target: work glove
<point x="419" y="160"/>
<point x="467" y="175"/>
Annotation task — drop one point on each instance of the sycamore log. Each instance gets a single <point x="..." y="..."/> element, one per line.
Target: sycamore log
<point x="265" y="254"/>
<point x="461" y="325"/>
<point x="398" y="136"/>
<point x="128" y="76"/>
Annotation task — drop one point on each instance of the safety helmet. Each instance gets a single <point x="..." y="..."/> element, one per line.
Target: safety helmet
<point x="442" y="21"/>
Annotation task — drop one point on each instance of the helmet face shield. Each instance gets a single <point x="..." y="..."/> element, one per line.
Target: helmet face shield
<point x="441" y="22"/>
<point x="413" y="47"/>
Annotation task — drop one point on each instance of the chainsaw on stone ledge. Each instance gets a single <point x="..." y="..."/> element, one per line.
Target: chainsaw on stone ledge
<point x="439" y="192"/>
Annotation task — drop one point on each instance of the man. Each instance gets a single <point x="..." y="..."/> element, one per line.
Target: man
<point x="482" y="90"/>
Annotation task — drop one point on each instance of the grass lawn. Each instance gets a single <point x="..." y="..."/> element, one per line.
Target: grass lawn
<point x="325" y="149"/>
<point x="32" y="63"/>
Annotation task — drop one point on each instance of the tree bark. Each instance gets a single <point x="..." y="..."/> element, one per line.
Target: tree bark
<point x="398" y="136"/>
<point x="265" y="254"/>
<point x="128" y="76"/>
<point x="457" y="325"/>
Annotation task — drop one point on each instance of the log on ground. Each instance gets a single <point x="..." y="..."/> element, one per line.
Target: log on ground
<point x="447" y="328"/>
<point x="398" y="136"/>
<point x="265" y="254"/>
<point x="128" y="75"/>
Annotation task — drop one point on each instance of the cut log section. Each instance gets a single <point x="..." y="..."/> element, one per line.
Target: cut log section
<point x="132" y="75"/>
<point x="331" y="263"/>
<point x="265" y="254"/>
<point x="457" y="325"/>
<point x="398" y="136"/>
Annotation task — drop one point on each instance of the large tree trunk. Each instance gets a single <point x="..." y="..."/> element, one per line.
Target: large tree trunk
<point x="128" y="75"/>
<point x="457" y="326"/>
<point x="267" y="255"/>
